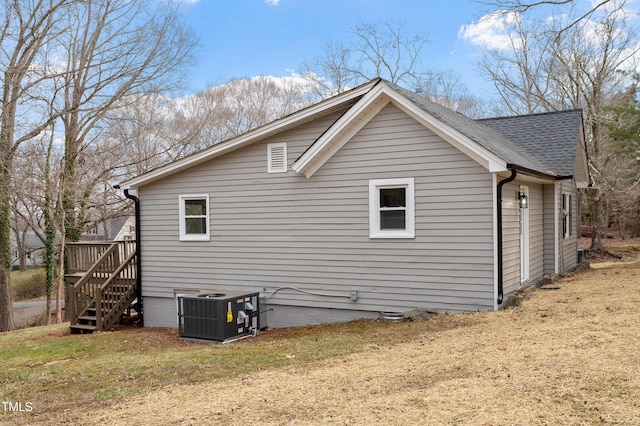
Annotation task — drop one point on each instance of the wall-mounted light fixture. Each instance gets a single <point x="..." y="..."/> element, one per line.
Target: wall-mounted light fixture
<point x="523" y="200"/>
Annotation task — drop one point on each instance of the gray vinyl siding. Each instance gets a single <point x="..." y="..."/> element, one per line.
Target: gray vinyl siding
<point x="511" y="235"/>
<point x="550" y="226"/>
<point x="510" y="238"/>
<point x="568" y="256"/>
<point x="541" y="232"/>
<point x="567" y="247"/>
<point x="536" y="233"/>
<point x="270" y="231"/>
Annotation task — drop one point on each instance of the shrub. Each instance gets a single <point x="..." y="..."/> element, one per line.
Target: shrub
<point x="28" y="284"/>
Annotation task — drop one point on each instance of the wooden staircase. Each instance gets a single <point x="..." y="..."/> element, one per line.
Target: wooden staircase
<point x="101" y="283"/>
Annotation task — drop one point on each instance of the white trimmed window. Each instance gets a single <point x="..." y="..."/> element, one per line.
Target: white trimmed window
<point x="391" y="208"/>
<point x="194" y="218"/>
<point x="567" y="215"/>
<point x="277" y="157"/>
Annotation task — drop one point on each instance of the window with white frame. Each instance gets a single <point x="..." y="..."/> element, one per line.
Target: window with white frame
<point x="194" y="218"/>
<point x="567" y="215"/>
<point x="391" y="208"/>
<point x="277" y="157"/>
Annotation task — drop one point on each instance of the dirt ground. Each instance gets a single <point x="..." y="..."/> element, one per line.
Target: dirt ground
<point x="565" y="356"/>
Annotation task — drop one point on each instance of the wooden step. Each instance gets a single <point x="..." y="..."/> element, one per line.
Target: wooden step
<point x="82" y="328"/>
<point x="88" y="318"/>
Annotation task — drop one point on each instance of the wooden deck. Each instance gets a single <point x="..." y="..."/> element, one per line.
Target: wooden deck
<point x="101" y="283"/>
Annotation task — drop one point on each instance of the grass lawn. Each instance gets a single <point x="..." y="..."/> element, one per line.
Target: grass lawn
<point x="564" y="356"/>
<point x="28" y="284"/>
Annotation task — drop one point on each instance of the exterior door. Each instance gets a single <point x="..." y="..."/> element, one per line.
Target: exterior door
<point x="524" y="238"/>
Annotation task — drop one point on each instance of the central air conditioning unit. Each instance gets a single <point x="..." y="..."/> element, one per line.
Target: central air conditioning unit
<point x="218" y="316"/>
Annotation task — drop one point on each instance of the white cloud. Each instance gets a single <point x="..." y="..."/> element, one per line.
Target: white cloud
<point x="272" y="2"/>
<point x="492" y="31"/>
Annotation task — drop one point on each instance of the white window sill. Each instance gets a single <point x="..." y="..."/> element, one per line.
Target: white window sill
<point x="195" y="238"/>
<point x="392" y="234"/>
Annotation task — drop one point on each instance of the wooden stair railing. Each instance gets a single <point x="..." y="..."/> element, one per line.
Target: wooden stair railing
<point x="116" y="294"/>
<point x="105" y="290"/>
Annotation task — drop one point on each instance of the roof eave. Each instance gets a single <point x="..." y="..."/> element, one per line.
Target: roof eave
<point x="336" y="137"/>
<point x="551" y="176"/>
<point x="248" y="138"/>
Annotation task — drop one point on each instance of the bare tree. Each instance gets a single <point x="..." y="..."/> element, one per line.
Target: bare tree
<point x="140" y="134"/>
<point x="75" y="61"/>
<point x="375" y="50"/>
<point x="51" y="226"/>
<point x="159" y="129"/>
<point x="578" y="16"/>
<point x="388" y="51"/>
<point x="28" y="31"/>
<point x="553" y="65"/>
<point x="241" y="105"/>
<point x="622" y="180"/>
<point x="113" y="48"/>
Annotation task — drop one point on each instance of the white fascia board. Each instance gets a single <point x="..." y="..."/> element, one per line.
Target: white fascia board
<point x="340" y="132"/>
<point x="365" y="109"/>
<point x="472" y="149"/>
<point x="246" y="138"/>
<point x="581" y="164"/>
<point x="181" y="164"/>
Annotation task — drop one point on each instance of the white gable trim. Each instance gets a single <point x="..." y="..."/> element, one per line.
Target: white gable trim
<point x="370" y="105"/>
<point x="340" y="132"/>
<point x="581" y="166"/>
<point x="472" y="149"/>
<point x="248" y="138"/>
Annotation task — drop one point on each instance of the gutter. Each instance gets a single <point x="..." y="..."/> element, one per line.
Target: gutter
<point x="499" y="225"/>
<point x="136" y="203"/>
<point x="503" y="182"/>
<point x="535" y="173"/>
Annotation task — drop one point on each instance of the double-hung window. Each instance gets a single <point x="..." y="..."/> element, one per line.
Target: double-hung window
<point x="194" y="218"/>
<point x="391" y="208"/>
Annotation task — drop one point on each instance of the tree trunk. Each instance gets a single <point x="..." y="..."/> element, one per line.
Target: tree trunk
<point x="596" y="242"/>
<point x="22" y="249"/>
<point x="6" y="300"/>
<point x="61" y="271"/>
<point x="49" y="259"/>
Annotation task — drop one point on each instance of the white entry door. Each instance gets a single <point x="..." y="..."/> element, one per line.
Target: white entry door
<point x="524" y="238"/>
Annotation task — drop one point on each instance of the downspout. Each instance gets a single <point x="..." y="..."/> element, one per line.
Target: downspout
<point x="499" y="225"/>
<point x="136" y="204"/>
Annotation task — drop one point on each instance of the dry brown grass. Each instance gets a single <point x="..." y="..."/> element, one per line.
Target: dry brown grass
<point x="564" y="356"/>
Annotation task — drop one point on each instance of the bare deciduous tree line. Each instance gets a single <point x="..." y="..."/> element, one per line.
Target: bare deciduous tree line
<point x="66" y="66"/>
<point x="573" y="57"/>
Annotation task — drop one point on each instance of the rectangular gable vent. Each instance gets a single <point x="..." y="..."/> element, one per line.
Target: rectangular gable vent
<point x="277" y="158"/>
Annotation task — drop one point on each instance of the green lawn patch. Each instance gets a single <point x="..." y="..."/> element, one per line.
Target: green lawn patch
<point x="28" y="284"/>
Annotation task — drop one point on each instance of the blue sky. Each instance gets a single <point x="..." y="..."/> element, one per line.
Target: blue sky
<point x="245" y="38"/>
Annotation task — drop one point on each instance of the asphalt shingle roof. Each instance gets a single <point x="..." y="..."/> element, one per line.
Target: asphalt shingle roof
<point x="545" y="143"/>
<point x="549" y="138"/>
